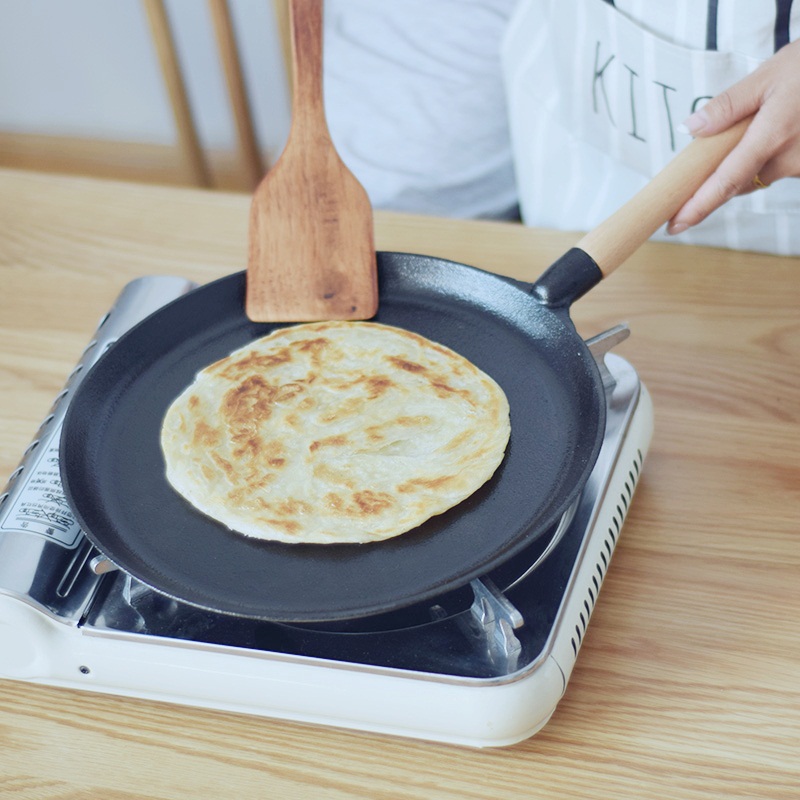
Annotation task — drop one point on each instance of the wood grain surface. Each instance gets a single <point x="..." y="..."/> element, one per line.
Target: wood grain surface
<point x="312" y="246"/>
<point x="688" y="681"/>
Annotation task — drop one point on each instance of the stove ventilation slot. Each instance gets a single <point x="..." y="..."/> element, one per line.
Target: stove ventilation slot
<point x="607" y="549"/>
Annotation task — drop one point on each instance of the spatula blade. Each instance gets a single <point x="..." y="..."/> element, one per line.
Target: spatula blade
<point x="311" y="251"/>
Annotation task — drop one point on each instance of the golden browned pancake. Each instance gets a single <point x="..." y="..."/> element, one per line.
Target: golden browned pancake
<point x="334" y="432"/>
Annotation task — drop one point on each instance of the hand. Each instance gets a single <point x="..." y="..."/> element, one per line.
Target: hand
<point x="769" y="149"/>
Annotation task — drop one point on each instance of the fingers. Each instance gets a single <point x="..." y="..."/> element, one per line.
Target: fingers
<point x="734" y="176"/>
<point x="780" y="74"/>
<point x="785" y="164"/>
<point x="770" y="147"/>
<point x="719" y="113"/>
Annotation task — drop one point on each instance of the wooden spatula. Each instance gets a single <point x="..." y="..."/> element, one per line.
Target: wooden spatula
<point x="312" y="252"/>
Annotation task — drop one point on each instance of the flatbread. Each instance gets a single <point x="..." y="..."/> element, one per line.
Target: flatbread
<point x="334" y="432"/>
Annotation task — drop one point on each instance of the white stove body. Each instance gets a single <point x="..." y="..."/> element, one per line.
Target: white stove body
<point x="46" y="635"/>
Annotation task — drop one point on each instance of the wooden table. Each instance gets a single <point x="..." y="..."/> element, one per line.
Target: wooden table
<point x="688" y="682"/>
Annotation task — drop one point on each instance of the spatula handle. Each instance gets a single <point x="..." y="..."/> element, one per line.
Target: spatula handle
<point x="308" y="110"/>
<point x="611" y="242"/>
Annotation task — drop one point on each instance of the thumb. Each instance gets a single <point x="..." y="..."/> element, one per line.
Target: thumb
<point x="728" y="107"/>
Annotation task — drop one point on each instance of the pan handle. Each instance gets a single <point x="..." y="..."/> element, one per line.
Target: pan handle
<point x="603" y="249"/>
<point x="611" y="242"/>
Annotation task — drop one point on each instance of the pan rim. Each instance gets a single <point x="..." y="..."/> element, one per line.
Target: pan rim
<point x="205" y="600"/>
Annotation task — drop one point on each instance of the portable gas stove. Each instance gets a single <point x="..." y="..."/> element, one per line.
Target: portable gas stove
<point x="483" y="666"/>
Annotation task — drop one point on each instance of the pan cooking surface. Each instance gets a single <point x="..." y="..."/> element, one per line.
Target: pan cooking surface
<point x="113" y="470"/>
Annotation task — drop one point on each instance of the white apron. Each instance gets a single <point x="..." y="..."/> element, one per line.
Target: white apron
<point x="595" y="100"/>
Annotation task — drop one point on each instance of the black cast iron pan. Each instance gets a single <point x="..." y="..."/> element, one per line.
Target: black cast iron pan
<point x="520" y="334"/>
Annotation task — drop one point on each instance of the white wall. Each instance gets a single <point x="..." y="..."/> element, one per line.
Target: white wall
<point x="88" y="68"/>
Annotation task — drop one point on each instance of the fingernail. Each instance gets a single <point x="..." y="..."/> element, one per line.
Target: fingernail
<point x="694" y="124"/>
<point x="678" y="227"/>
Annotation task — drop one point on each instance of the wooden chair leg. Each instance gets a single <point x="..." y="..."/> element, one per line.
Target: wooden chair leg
<point x="173" y="79"/>
<point x="237" y="92"/>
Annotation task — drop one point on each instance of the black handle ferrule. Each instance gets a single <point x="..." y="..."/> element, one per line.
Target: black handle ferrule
<point x="567" y="279"/>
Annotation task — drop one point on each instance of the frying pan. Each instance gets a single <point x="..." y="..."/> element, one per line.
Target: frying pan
<point x="521" y="334"/>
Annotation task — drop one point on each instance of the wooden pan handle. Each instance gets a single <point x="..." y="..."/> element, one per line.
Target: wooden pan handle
<point x="611" y="242"/>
